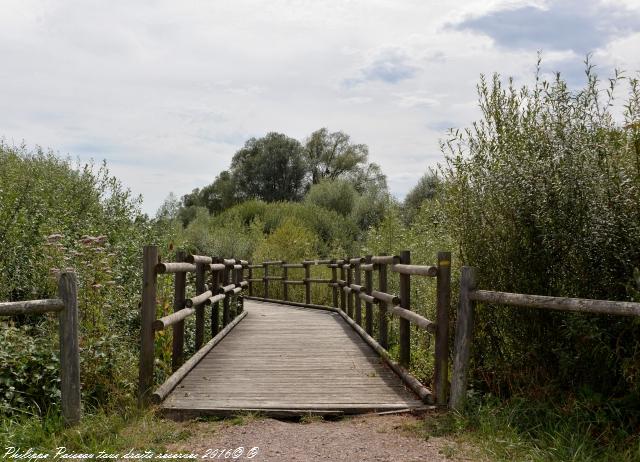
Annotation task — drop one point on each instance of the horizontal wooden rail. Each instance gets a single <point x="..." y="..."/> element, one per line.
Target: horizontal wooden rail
<point x="293" y="265"/>
<point x="367" y="298"/>
<point x="274" y="262"/>
<point x="171" y="319"/>
<point x="557" y="303"/>
<point x="413" y="317"/>
<point x="385" y="297"/>
<point x="199" y="259"/>
<point x="165" y="268"/>
<point x="368" y="267"/>
<point x="386" y="259"/>
<point x="419" y="270"/>
<point x="31" y="307"/>
<point x="317" y="262"/>
<point x="293" y="282"/>
<point x="272" y="278"/>
<point x="318" y="281"/>
<point x="217" y="266"/>
<point x="198" y="299"/>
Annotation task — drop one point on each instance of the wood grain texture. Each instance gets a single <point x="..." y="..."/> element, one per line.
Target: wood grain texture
<point x="283" y="357"/>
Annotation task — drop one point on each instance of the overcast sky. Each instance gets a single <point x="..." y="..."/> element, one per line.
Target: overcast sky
<point x="168" y="91"/>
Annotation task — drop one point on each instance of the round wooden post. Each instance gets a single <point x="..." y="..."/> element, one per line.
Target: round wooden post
<point x="307" y="283"/>
<point x="215" y="308"/>
<point x="443" y="305"/>
<point x="200" y="288"/>
<point x="285" y="286"/>
<point x="226" y="301"/>
<point x="350" y="292"/>
<point x="405" y="302"/>
<point x="357" y="280"/>
<point x="250" y="280"/>
<point x="265" y="269"/>
<point x="383" y="332"/>
<point x="334" y="279"/>
<point x="69" y="349"/>
<point x="147" y="316"/>
<point x="368" y="284"/>
<point x="343" y="295"/>
<point x="179" y="287"/>
<point x="464" y="335"/>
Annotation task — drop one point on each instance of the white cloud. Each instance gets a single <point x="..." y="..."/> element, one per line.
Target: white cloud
<point x="168" y="91"/>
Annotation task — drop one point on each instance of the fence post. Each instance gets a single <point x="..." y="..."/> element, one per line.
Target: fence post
<point x="250" y="280"/>
<point x="179" y="286"/>
<point x="405" y="302"/>
<point x="443" y="305"/>
<point x="147" y="316"/>
<point x="226" y="300"/>
<point x="334" y="279"/>
<point x="464" y="334"/>
<point x="285" y="286"/>
<point x="200" y="288"/>
<point x="349" y="292"/>
<point x="343" y="295"/>
<point x="69" y="349"/>
<point x="215" y="308"/>
<point x="357" y="280"/>
<point x="383" y="333"/>
<point x="368" y="284"/>
<point x="307" y="283"/>
<point x="265" y="267"/>
<point x="236" y="280"/>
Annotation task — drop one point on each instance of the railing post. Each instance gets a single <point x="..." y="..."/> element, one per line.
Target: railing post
<point x="334" y="278"/>
<point x="265" y="268"/>
<point x="357" y="280"/>
<point x="250" y="280"/>
<point x="147" y="316"/>
<point x="285" y="286"/>
<point x="236" y="280"/>
<point x="405" y="302"/>
<point x="215" y="308"/>
<point x="368" y="284"/>
<point x="226" y="301"/>
<point x="443" y="305"/>
<point x="464" y="334"/>
<point x="200" y="288"/>
<point x="179" y="287"/>
<point x="69" y="349"/>
<point x="383" y="328"/>
<point x="343" y="295"/>
<point x="307" y="283"/>
<point x="349" y="292"/>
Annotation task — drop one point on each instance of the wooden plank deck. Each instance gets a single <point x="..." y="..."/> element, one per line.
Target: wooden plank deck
<point x="288" y="360"/>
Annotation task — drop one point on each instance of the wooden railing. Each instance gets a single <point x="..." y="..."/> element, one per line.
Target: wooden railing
<point x="216" y="280"/>
<point x="348" y="294"/>
<point x="67" y="308"/>
<point x="470" y="296"/>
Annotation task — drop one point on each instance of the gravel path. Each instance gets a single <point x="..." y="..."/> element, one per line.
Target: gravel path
<point x="363" y="438"/>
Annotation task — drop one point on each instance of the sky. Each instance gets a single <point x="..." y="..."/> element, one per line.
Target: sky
<point x="168" y="91"/>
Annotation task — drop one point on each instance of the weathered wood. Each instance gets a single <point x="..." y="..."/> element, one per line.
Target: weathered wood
<point x="31" y="307"/>
<point x="167" y="268"/>
<point x="147" y="316"/>
<point x="272" y="262"/>
<point x="368" y="267"/>
<point x="443" y="305"/>
<point x="418" y="270"/>
<point x="334" y="288"/>
<point x="229" y="287"/>
<point x="307" y="283"/>
<point x="356" y="288"/>
<point x="215" y="300"/>
<point x="412" y="317"/>
<point x="385" y="259"/>
<point x="582" y="305"/>
<point x="69" y="349"/>
<point x="250" y="279"/>
<point x="292" y="265"/>
<point x="290" y="303"/>
<point x="217" y="267"/>
<point x="405" y="302"/>
<point x="316" y="262"/>
<point x="285" y="278"/>
<point x="389" y="299"/>
<point x="349" y="269"/>
<point x="199" y="259"/>
<point x="200" y="290"/>
<point x="198" y="299"/>
<point x="265" y="281"/>
<point x="368" y="307"/>
<point x="366" y="298"/>
<point x="179" y="294"/>
<point x="318" y="280"/>
<point x="356" y="260"/>
<point x="255" y="266"/>
<point x="226" y="288"/>
<point x="272" y="278"/>
<point x="464" y="335"/>
<point x="423" y="392"/>
<point x="172" y="320"/>
<point x="229" y="261"/>
<point x="383" y="326"/>
<point x="357" y="280"/>
<point x="300" y="283"/>
<point x="178" y="375"/>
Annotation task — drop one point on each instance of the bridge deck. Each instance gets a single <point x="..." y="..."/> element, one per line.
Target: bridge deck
<point x="286" y="360"/>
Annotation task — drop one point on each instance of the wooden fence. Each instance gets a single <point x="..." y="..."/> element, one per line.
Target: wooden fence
<point x="470" y="295"/>
<point x="216" y="280"/>
<point x="67" y="308"/>
<point x="348" y="294"/>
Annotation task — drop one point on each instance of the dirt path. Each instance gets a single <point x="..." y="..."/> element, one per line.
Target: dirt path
<point x="364" y="438"/>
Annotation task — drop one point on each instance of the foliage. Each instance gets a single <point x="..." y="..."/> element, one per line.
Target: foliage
<point x="542" y="197"/>
<point x="426" y="189"/>
<point x="338" y="195"/>
<point x="291" y="241"/>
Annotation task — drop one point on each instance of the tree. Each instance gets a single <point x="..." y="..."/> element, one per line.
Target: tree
<point x="338" y="195"/>
<point x="426" y="189"/>
<point x="269" y="168"/>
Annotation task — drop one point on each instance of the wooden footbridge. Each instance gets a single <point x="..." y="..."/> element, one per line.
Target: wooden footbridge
<point x="282" y="357"/>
